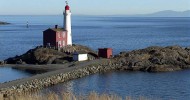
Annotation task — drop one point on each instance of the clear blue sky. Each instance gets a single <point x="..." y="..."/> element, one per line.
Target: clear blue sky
<point x="90" y="7"/>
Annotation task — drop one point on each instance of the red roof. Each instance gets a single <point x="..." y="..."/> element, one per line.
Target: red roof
<point x="67" y="7"/>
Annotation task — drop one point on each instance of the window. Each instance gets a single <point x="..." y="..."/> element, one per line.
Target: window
<point x="63" y="34"/>
<point x="64" y="43"/>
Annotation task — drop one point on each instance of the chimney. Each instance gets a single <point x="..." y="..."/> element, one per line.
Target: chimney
<point x="56" y="26"/>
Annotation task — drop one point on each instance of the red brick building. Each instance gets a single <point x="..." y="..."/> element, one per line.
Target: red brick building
<point x="55" y="37"/>
<point x="105" y="52"/>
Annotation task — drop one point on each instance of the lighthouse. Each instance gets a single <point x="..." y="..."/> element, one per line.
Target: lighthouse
<point x="58" y="37"/>
<point x="67" y="23"/>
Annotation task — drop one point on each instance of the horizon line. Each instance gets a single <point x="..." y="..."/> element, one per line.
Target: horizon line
<point x="90" y="14"/>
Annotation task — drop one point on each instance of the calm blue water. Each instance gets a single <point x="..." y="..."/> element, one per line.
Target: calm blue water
<point x="8" y="74"/>
<point x="119" y="33"/>
<point x="159" y="86"/>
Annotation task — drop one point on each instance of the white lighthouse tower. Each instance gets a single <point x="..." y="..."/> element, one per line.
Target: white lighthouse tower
<point x="67" y="23"/>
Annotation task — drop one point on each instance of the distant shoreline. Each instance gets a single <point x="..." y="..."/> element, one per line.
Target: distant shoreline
<point x="129" y="16"/>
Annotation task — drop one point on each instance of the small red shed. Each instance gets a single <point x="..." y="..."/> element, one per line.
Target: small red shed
<point x="105" y="52"/>
<point x="55" y="37"/>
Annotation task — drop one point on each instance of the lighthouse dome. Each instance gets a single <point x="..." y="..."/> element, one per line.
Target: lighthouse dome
<point x="67" y="7"/>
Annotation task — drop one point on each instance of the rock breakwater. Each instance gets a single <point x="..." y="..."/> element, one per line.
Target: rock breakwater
<point x="56" y="77"/>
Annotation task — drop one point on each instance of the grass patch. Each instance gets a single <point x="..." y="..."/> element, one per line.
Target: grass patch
<point x="70" y="96"/>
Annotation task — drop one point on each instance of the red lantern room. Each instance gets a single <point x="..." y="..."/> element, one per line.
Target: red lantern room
<point x="67" y="7"/>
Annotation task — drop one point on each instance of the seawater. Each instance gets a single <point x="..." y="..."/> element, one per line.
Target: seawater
<point x="8" y="74"/>
<point x="154" y="86"/>
<point x="118" y="32"/>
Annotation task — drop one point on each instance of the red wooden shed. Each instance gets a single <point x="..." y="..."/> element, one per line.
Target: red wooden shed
<point x="55" y="37"/>
<point x="105" y="52"/>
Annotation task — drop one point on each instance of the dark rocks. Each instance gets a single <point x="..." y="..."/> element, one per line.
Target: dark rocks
<point x="149" y="59"/>
<point x="36" y="56"/>
<point x="2" y="62"/>
<point x="41" y="55"/>
<point x="3" y="23"/>
<point x="156" y="59"/>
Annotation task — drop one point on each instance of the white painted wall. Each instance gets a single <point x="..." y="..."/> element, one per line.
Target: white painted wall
<point x="80" y="57"/>
<point x="68" y="26"/>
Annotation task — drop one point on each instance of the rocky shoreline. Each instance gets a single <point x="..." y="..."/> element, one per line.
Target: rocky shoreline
<point x="151" y="59"/>
<point x="155" y="59"/>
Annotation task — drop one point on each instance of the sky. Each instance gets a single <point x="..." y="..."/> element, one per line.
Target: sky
<point x="90" y="7"/>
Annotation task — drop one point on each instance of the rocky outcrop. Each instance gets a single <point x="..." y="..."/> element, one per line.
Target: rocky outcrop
<point x="41" y="55"/>
<point x="3" y="23"/>
<point x="152" y="59"/>
<point x="155" y="59"/>
<point x="2" y="62"/>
